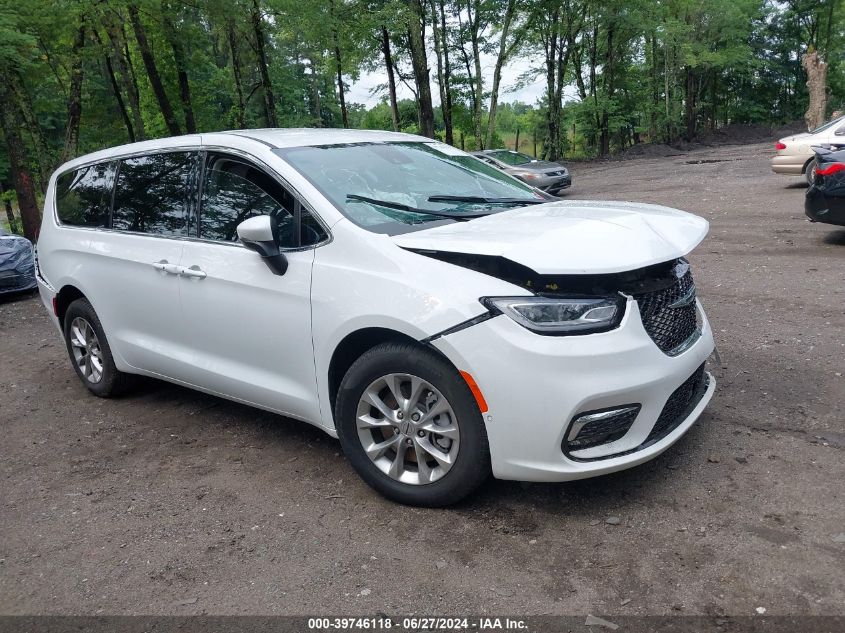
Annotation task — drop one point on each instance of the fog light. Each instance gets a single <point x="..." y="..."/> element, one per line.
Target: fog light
<point x="600" y="427"/>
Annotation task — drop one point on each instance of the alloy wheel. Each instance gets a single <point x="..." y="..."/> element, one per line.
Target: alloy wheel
<point x="408" y="429"/>
<point x="87" y="352"/>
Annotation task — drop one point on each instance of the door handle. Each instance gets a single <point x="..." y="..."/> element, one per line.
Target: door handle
<point x="165" y="266"/>
<point x="193" y="271"/>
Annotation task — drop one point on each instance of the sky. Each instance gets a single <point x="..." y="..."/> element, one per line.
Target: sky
<point x="360" y="91"/>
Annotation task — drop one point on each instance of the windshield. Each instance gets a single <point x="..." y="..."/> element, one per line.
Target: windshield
<point x="511" y="158"/>
<point x="356" y="176"/>
<point x="827" y="125"/>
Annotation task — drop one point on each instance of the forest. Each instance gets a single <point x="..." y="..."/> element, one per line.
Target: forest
<point x="81" y="75"/>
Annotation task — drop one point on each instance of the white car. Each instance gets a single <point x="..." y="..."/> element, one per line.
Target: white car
<point x="795" y="155"/>
<point x="430" y="311"/>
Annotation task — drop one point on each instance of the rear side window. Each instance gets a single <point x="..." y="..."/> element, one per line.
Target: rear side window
<point x="155" y="193"/>
<point x="234" y="191"/>
<point x="83" y="196"/>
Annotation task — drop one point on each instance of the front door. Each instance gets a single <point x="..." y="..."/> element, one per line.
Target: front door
<point x="250" y="328"/>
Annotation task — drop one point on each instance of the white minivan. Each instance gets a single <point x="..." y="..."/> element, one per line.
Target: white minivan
<point x="444" y="320"/>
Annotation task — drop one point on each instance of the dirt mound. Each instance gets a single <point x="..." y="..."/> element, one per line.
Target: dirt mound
<point x="742" y="133"/>
<point x="733" y="134"/>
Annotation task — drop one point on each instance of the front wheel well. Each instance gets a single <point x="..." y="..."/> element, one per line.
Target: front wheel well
<point x="66" y="296"/>
<point x="352" y="347"/>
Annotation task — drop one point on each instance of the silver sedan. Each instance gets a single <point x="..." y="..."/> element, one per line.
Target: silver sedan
<point x="550" y="177"/>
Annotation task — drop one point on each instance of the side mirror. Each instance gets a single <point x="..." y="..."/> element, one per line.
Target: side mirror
<point x="259" y="234"/>
<point x="840" y="131"/>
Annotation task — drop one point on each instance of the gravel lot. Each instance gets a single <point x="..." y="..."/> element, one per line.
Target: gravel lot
<point x="173" y="502"/>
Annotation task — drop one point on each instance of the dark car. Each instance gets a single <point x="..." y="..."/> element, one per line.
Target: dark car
<point x="17" y="263"/>
<point x="546" y="176"/>
<point x="825" y="201"/>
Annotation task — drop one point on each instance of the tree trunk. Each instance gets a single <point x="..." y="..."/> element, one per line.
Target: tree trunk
<point x="439" y="36"/>
<point x="420" y="64"/>
<point x="344" y="115"/>
<point x="655" y="99"/>
<point x="338" y="61"/>
<point x="501" y="59"/>
<point x="447" y="78"/>
<point x="516" y="142"/>
<point x="608" y="69"/>
<point x="315" y="104"/>
<point x="391" y="79"/>
<point x="152" y="72"/>
<point x="236" y="72"/>
<point x="690" y="103"/>
<point x="121" y="104"/>
<point x="816" y="71"/>
<point x="563" y="54"/>
<point x="269" y="97"/>
<point x="74" y="103"/>
<point x="42" y="152"/>
<point x="120" y="56"/>
<point x="11" y="123"/>
<point x="478" y="82"/>
<point x="10" y="213"/>
<point x="175" y="42"/>
<point x="666" y="95"/>
<point x="550" y="47"/>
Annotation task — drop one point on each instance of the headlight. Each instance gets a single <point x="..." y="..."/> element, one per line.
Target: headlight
<point x="558" y="315"/>
<point x="527" y="175"/>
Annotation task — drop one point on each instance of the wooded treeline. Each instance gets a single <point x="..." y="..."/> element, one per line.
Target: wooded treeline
<point x="78" y="75"/>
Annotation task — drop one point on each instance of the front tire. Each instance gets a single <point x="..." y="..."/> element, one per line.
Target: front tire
<point x="410" y="426"/>
<point x="90" y="353"/>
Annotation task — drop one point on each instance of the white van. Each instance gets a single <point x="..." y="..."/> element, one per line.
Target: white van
<point x="444" y="320"/>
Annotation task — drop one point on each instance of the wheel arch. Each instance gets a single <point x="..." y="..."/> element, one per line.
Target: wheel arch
<point x="67" y="295"/>
<point x="354" y="344"/>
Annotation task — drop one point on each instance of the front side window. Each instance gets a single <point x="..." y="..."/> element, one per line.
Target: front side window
<point x="155" y="193"/>
<point x="83" y="196"/>
<point x="234" y="190"/>
<point x="415" y="175"/>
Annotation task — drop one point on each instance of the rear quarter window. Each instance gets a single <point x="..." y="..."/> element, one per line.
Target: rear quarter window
<point x="83" y="196"/>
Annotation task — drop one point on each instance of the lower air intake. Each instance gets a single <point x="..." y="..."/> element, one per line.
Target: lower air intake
<point x="600" y="427"/>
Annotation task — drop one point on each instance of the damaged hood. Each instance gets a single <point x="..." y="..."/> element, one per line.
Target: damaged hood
<point x="570" y="237"/>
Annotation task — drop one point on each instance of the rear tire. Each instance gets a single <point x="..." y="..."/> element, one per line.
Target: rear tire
<point x="810" y="171"/>
<point x="435" y="449"/>
<point x="90" y="353"/>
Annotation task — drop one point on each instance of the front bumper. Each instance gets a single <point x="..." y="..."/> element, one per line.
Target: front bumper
<point x="820" y="207"/>
<point x="535" y="385"/>
<point x="16" y="281"/>
<point x="555" y="185"/>
<point x="17" y="268"/>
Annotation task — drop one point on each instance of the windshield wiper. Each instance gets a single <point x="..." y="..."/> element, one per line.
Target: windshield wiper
<point x="483" y="200"/>
<point x="404" y="207"/>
